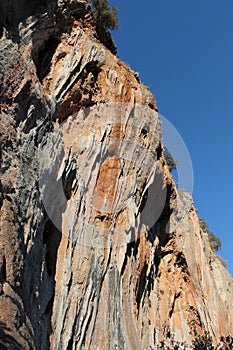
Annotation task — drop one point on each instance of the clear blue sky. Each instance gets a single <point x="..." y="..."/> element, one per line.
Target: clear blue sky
<point x="183" y="50"/>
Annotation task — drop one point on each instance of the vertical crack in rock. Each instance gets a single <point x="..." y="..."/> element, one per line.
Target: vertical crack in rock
<point x="52" y="239"/>
<point x="3" y="269"/>
<point x="141" y="288"/>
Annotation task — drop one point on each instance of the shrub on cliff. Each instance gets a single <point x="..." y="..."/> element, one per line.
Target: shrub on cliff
<point x="215" y="242"/>
<point x="172" y="164"/>
<point x="203" y="343"/>
<point x="104" y="15"/>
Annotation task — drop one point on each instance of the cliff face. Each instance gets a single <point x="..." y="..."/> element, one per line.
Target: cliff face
<point x="98" y="248"/>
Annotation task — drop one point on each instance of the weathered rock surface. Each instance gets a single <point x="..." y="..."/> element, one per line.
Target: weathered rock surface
<point x="98" y="248"/>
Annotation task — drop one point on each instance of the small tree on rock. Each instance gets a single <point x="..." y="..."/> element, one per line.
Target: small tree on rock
<point x="105" y="16"/>
<point x="215" y="242"/>
<point x="172" y="164"/>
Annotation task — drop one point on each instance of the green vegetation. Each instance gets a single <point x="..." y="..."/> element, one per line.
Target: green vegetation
<point x="173" y="345"/>
<point x="105" y="16"/>
<point x="215" y="242"/>
<point x="172" y="164"/>
<point x="199" y="343"/>
<point x="203" y="342"/>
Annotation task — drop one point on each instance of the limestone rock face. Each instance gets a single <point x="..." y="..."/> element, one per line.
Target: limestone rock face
<point x="98" y="248"/>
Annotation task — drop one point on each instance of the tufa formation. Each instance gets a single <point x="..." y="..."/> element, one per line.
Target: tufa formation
<point x="98" y="248"/>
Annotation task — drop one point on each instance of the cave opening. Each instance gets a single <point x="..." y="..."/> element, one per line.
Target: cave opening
<point x="42" y="57"/>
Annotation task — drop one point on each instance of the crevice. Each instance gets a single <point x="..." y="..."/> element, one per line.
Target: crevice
<point x="181" y="263"/>
<point x="141" y="285"/>
<point x="106" y="269"/>
<point x="157" y="259"/>
<point x="128" y="253"/>
<point x="1" y="189"/>
<point x="70" y="343"/>
<point x="159" y="151"/>
<point x="48" y="315"/>
<point x="68" y="177"/>
<point x="49" y="307"/>
<point x="144" y="199"/>
<point x="93" y="68"/>
<point x="144" y="133"/>
<point x="43" y="58"/>
<point x="101" y="218"/>
<point x="86" y="329"/>
<point x="70" y="281"/>
<point x="136" y="246"/>
<point x="132" y="249"/>
<point x="81" y="91"/>
<point x="161" y="227"/>
<point x="161" y="230"/>
<point x="52" y="239"/>
<point x="155" y="209"/>
<point x="176" y="296"/>
<point x="23" y="99"/>
<point x="73" y="333"/>
<point x="150" y="284"/>
<point x="152" y="106"/>
<point x="3" y="270"/>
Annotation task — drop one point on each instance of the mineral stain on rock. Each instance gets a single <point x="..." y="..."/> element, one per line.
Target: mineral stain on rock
<point x="81" y="264"/>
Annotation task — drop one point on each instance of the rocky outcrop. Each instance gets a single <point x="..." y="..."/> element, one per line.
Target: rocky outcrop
<point x="98" y="248"/>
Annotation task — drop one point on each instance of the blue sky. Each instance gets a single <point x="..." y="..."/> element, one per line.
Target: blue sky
<point x="183" y="51"/>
